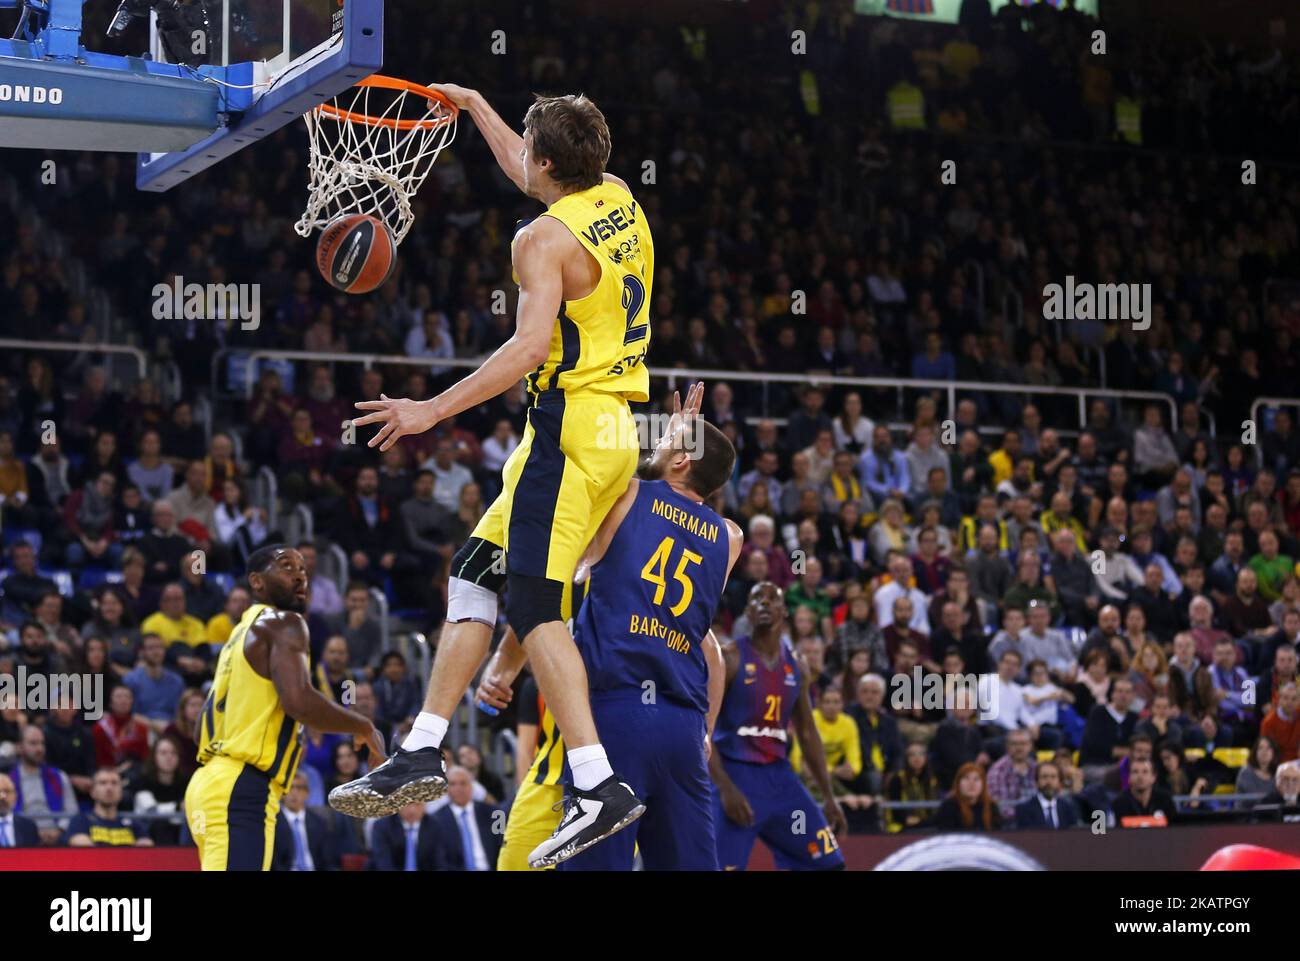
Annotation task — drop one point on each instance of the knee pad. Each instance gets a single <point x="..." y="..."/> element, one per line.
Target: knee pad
<point x="531" y="601"/>
<point x="467" y="601"/>
<point x="480" y="563"/>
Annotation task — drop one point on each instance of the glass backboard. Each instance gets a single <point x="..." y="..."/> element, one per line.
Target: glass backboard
<point x="273" y="59"/>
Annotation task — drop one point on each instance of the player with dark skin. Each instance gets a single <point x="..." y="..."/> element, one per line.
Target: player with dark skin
<point x="277" y="647"/>
<point x="767" y="613"/>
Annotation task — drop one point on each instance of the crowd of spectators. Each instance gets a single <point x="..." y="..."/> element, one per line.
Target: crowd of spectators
<point x="1095" y="606"/>
<point x="1124" y="588"/>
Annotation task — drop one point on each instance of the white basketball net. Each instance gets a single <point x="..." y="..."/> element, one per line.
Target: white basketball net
<point x="370" y="149"/>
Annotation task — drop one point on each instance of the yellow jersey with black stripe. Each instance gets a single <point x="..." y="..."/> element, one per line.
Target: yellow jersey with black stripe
<point x="242" y="718"/>
<point x="548" y="758"/>
<point x="599" y="342"/>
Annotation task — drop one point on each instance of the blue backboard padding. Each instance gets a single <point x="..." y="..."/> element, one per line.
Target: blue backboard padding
<point x="70" y="106"/>
<point x="360" y="53"/>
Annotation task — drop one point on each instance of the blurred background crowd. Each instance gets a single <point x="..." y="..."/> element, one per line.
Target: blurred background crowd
<point x="1119" y="572"/>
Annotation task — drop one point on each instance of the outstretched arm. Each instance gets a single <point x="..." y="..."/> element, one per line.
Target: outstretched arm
<point x="717" y="667"/>
<point x="506" y="145"/>
<point x="288" y="661"/>
<point x="538" y="256"/>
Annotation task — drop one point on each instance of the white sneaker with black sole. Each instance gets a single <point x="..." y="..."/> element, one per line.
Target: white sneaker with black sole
<point x="589" y="817"/>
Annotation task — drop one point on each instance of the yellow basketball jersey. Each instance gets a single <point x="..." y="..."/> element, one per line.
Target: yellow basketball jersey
<point x="548" y="761"/>
<point x="242" y="719"/>
<point x="599" y="342"/>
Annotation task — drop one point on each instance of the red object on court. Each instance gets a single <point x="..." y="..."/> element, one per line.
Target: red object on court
<point x="1250" y="857"/>
<point x="357" y="253"/>
<point x="99" y="859"/>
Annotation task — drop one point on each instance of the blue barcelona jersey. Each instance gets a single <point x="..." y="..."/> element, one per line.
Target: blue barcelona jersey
<point x="651" y="598"/>
<point x="757" y="706"/>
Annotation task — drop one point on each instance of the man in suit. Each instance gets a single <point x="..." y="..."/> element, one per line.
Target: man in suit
<point x="303" y="841"/>
<point x="369" y="529"/>
<point x="404" y="841"/>
<point x="467" y="834"/>
<point x="1048" y="809"/>
<point x="16" y="831"/>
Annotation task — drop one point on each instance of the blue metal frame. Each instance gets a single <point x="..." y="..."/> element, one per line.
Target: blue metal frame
<point x="79" y="100"/>
<point x="57" y="38"/>
<point x="119" y="99"/>
<point x="65" y="105"/>
<point x="362" y="54"/>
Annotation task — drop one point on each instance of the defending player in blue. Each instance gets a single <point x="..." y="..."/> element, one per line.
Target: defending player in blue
<point x="658" y="567"/>
<point x="757" y="794"/>
<point x="656" y="570"/>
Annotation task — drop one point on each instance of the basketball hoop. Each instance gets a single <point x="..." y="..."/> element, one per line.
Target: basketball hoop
<point x="371" y="148"/>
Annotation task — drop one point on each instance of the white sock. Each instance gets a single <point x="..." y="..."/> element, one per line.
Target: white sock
<point x="589" y="766"/>
<point x="427" y="731"/>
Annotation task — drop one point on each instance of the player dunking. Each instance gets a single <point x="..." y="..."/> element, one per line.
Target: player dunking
<point x="584" y="270"/>
<point x="757" y="792"/>
<point x="250" y="731"/>
<point x="658" y="566"/>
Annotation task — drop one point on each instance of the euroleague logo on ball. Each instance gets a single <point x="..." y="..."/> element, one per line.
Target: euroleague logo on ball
<point x="345" y="269"/>
<point x="356" y="254"/>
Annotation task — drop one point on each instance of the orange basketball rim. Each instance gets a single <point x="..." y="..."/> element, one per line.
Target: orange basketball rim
<point x="448" y="114"/>
<point x="370" y="149"/>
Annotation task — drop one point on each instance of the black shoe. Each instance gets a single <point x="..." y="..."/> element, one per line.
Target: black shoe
<point x="406" y="777"/>
<point x="589" y="817"/>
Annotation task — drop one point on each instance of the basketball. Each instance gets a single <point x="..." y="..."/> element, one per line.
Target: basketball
<point x="356" y="253"/>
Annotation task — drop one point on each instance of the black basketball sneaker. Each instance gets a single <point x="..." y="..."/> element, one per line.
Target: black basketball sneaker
<point x="407" y="776"/>
<point x="589" y="817"/>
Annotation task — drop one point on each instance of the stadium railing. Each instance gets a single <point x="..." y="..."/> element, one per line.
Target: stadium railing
<point x="269" y="497"/>
<point x="336" y="563"/>
<point x="300" y="525"/>
<point x="674" y="375"/>
<point x="379" y="600"/>
<point x="98" y="347"/>
<point x="419" y="652"/>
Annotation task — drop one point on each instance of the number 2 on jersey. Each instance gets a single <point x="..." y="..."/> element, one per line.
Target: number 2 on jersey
<point x="656" y="569"/>
<point x="633" y="301"/>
